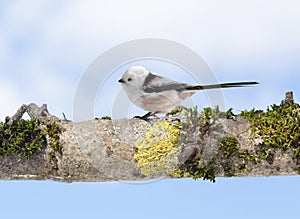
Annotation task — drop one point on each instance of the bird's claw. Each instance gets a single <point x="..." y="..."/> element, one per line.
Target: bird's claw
<point x="145" y="117"/>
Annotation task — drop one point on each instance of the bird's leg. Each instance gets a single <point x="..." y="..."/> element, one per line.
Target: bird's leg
<point x="146" y="116"/>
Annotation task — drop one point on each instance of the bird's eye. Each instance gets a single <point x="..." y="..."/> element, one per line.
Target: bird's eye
<point x="129" y="79"/>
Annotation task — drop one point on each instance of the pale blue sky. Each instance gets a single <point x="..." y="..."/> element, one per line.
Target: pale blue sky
<point x="46" y="46"/>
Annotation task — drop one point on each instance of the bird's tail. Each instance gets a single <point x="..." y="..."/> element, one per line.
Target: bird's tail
<point x="223" y="85"/>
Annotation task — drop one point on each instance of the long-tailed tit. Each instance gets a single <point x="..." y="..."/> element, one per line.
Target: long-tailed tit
<point x="156" y="94"/>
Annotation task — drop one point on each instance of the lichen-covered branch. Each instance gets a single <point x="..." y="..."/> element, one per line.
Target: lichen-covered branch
<point x="185" y="143"/>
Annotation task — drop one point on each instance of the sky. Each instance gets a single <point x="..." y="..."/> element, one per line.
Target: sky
<point x="48" y="48"/>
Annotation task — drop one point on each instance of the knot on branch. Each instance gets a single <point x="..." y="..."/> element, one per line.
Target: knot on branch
<point x="38" y="113"/>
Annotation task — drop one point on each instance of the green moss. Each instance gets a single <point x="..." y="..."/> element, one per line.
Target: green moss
<point x="106" y="117"/>
<point x="197" y="170"/>
<point x="279" y="128"/>
<point x="228" y="150"/>
<point x="103" y="117"/>
<point x="247" y="157"/>
<point x="24" y="138"/>
<point x="230" y="115"/>
<point x="228" y="147"/>
<point x="206" y="169"/>
<point x="53" y="130"/>
<point x="215" y="113"/>
<point x="202" y="123"/>
<point x="178" y="110"/>
<point x="154" y="152"/>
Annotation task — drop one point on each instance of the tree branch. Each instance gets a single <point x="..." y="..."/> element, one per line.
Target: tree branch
<point x="185" y="143"/>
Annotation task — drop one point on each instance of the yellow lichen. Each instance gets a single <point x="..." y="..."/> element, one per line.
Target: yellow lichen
<point x="157" y="150"/>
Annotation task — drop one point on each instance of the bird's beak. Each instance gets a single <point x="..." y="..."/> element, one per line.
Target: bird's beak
<point x="121" y="81"/>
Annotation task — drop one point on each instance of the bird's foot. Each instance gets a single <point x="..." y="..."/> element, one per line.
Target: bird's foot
<point x="146" y="116"/>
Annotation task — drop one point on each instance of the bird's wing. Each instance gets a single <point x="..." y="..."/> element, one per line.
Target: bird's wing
<point x="155" y="84"/>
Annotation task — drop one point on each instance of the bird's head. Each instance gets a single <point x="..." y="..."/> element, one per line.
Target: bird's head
<point x="134" y="77"/>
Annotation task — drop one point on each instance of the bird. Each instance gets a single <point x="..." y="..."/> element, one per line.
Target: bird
<point x="157" y="94"/>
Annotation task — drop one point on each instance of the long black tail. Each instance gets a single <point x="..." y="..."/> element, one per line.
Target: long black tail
<point x="223" y="85"/>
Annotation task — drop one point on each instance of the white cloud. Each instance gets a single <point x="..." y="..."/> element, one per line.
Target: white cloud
<point x="232" y="30"/>
<point x="239" y="29"/>
<point x="238" y="23"/>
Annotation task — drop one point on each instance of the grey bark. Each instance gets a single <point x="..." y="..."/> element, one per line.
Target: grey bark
<point x="102" y="150"/>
